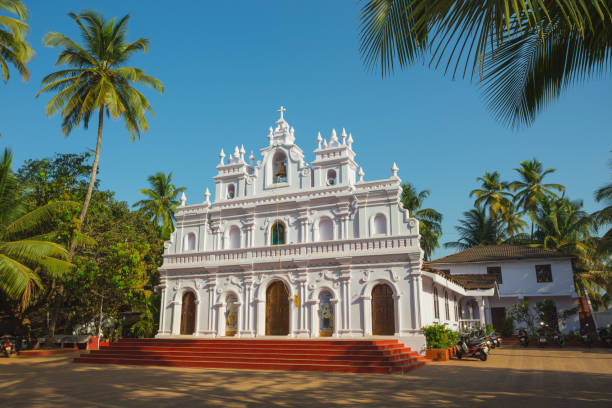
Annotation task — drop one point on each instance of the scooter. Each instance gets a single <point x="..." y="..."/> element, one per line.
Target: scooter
<point x="7" y="344"/>
<point x="586" y="339"/>
<point x="605" y="337"/>
<point x="495" y="339"/>
<point x="472" y="346"/>
<point x="558" y="338"/>
<point x="523" y="338"/>
<point x="542" y="340"/>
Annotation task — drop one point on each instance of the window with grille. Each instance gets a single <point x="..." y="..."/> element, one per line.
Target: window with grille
<point x="436" y="304"/>
<point x="495" y="270"/>
<point x="543" y="273"/>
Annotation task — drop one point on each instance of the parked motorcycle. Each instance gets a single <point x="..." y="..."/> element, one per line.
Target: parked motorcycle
<point x="495" y="339"/>
<point x="472" y="346"/>
<point x="523" y="338"/>
<point x="8" y="346"/>
<point x="586" y="338"/>
<point x="605" y="337"/>
<point x="542" y="340"/>
<point x="558" y="338"/>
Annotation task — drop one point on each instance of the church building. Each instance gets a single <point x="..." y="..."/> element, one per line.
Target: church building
<point x="303" y="250"/>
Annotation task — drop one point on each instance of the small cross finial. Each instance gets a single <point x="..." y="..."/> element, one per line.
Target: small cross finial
<point x="282" y="110"/>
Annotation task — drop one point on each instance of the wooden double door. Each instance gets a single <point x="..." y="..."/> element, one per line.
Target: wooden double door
<point x="498" y="315"/>
<point x="277" y="309"/>
<point x="188" y="313"/>
<point x="383" y="310"/>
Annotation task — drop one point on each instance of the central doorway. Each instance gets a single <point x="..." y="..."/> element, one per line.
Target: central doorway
<point x="188" y="312"/>
<point x="383" y="313"/>
<point x="277" y="309"/>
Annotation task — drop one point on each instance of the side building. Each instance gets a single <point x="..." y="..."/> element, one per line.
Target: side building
<point x="519" y="273"/>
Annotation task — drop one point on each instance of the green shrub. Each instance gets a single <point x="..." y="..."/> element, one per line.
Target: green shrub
<point x="508" y="330"/>
<point x="489" y="329"/>
<point x="439" y="337"/>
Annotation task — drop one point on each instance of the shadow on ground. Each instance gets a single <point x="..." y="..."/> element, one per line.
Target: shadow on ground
<point x="510" y="378"/>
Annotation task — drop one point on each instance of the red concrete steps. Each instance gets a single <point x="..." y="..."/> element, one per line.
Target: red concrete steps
<point x="371" y="356"/>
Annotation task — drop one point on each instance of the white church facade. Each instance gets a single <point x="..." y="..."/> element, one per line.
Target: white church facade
<point x="302" y="250"/>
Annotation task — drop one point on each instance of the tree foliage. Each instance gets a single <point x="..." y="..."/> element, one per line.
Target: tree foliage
<point x="430" y="220"/>
<point x="525" y="53"/>
<point x="14" y="49"/>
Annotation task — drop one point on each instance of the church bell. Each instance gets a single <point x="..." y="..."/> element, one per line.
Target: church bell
<point x="281" y="172"/>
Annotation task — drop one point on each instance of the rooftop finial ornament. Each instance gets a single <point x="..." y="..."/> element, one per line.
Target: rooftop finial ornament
<point x="319" y="140"/>
<point x="361" y="174"/>
<point x="222" y="157"/>
<point x="183" y="199"/>
<point x="343" y="136"/>
<point x="251" y="158"/>
<point x="207" y="196"/>
<point x="394" y="170"/>
<point x="349" y="141"/>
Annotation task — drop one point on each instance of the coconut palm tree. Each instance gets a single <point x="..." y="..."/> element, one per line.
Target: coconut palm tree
<point x="513" y="222"/>
<point x="562" y="225"/>
<point x="604" y="216"/>
<point x="477" y="228"/>
<point x="23" y="252"/>
<point x="98" y="80"/>
<point x="492" y="194"/>
<point x="14" y="49"/>
<point x="430" y="220"/>
<point x="163" y="198"/>
<point x="525" y="53"/>
<point x="530" y="188"/>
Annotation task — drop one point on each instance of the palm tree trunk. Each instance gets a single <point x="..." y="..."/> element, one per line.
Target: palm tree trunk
<point x="94" y="170"/>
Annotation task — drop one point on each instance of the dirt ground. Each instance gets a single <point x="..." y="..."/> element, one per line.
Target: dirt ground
<point x="512" y="377"/>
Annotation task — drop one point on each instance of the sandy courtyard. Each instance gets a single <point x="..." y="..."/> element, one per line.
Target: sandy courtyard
<point x="512" y="377"/>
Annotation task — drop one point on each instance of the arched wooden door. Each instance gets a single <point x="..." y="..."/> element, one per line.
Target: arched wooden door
<point x="188" y="313"/>
<point x="277" y="310"/>
<point x="383" y="310"/>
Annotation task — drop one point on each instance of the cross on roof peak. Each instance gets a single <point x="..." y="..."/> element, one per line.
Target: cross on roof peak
<point x="282" y="110"/>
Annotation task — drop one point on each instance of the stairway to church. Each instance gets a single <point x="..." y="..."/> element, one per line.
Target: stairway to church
<point x="354" y="356"/>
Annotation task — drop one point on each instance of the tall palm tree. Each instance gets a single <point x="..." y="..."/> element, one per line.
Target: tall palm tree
<point x="492" y="194"/>
<point x="477" y="229"/>
<point x="513" y="221"/>
<point x="14" y="49"/>
<point x="526" y="53"/>
<point x="530" y="188"/>
<point x="98" y="80"/>
<point x="563" y="225"/>
<point x="163" y="198"/>
<point x="429" y="219"/>
<point x="604" y="216"/>
<point x="23" y="252"/>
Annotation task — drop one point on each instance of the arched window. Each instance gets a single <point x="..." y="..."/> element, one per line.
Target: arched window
<point x="277" y="234"/>
<point x="436" y="304"/>
<point x="279" y="168"/>
<point x="326" y="229"/>
<point x="331" y="177"/>
<point x="380" y="225"/>
<point x="446" y="309"/>
<point x="231" y="191"/>
<point x="234" y="237"/>
<point x="189" y="242"/>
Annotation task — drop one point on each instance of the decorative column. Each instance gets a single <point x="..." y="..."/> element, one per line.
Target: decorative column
<point x="398" y="314"/>
<point x="302" y="330"/>
<point x="303" y="220"/>
<point x="415" y="304"/>
<point x="260" y="317"/>
<point x="481" y="307"/>
<point x="247" y="320"/>
<point x="162" y="309"/>
<point x="176" y="316"/>
<point x="345" y="279"/>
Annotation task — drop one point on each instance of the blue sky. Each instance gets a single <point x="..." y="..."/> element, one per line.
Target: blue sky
<point x="227" y="67"/>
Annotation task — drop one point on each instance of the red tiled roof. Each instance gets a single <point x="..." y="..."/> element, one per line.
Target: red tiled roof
<point x="486" y="253"/>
